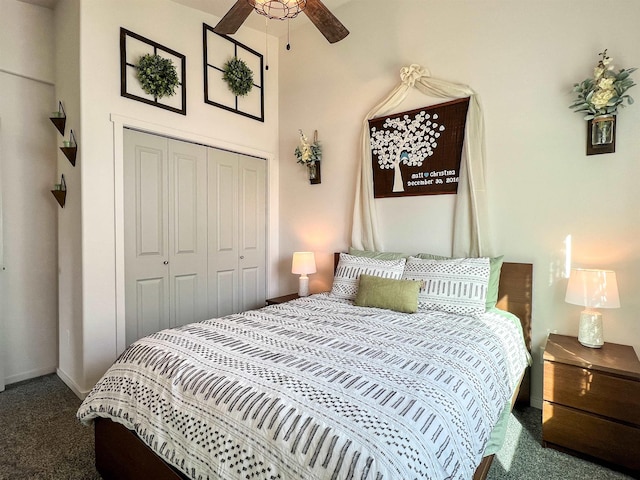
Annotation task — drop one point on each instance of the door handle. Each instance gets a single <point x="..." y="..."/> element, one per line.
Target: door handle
<point x="166" y="262"/>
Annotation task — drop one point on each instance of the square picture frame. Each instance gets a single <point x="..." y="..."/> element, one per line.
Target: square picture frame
<point x="217" y="50"/>
<point x="132" y="47"/>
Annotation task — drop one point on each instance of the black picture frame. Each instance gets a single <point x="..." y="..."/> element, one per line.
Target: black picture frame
<point x="131" y="89"/>
<point x="217" y="49"/>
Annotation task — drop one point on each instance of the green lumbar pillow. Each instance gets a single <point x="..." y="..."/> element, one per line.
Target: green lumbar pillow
<point x="389" y="293"/>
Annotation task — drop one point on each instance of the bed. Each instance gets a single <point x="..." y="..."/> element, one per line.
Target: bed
<point x="272" y="420"/>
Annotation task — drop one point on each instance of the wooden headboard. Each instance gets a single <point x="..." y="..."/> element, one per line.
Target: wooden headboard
<point x="515" y="296"/>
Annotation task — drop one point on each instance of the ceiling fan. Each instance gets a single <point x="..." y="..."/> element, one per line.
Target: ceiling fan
<point x="319" y="15"/>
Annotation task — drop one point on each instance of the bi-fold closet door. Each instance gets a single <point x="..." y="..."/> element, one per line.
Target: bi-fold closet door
<point x="237" y="218"/>
<point x="181" y="221"/>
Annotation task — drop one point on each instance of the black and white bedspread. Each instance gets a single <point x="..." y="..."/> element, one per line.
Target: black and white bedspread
<point x="317" y="388"/>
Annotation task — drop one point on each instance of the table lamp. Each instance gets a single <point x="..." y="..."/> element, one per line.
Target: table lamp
<point x="303" y="264"/>
<point x="592" y="289"/>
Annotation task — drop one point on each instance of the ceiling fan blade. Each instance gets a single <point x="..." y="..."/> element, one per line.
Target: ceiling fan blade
<point x="232" y="20"/>
<point x="325" y="21"/>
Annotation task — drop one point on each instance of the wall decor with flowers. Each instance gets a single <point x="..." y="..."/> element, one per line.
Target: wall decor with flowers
<point x="599" y="98"/>
<point x="233" y="75"/>
<point x="309" y="154"/>
<point x="152" y="73"/>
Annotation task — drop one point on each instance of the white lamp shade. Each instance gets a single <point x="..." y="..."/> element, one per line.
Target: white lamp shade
<point x="303" y="263"/>
<point x="593" y="288"/>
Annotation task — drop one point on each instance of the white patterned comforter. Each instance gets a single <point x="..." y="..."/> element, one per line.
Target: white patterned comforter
<point x="317" y="389"/>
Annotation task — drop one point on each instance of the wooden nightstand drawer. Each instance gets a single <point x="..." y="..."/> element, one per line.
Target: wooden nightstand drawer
<point x="592" y="401"/>
<point x="592" y="391"/>
<point x="595" y="436"/>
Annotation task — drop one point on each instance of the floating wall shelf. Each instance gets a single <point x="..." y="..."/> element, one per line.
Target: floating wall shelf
<point x="59" y="118"/>
<point x="70" y="149"/>
<point x="60" y="192"/>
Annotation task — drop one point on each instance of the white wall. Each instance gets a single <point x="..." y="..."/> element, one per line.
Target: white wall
<point x="28" y="286"/>
<point x="522" y="58"/>
<point x="103" y="113"/>
<point x="70" y="328"/>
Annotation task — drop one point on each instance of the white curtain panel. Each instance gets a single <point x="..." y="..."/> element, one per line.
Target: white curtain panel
<point x="471" y="236"/>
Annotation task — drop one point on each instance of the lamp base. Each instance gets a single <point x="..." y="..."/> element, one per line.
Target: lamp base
<point x="303" y="286"/>
<point x="590" y="332"/>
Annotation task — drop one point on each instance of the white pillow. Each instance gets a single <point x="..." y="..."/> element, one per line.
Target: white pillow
<point x="350" y="267"/>
<point x="457" y="285"/>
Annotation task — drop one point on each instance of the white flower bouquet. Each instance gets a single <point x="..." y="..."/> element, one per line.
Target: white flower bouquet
<point x="602" y="94"/>
<point x="308" y="153"/>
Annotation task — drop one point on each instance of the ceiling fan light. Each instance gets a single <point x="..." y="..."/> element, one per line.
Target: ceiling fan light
<point x="278" y="9"/>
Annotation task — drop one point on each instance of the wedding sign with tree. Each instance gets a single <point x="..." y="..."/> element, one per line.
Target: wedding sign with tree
<point x="418" y="152"/>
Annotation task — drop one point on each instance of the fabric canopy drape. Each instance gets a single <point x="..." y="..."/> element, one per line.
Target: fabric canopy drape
<point x="471" y="236"/>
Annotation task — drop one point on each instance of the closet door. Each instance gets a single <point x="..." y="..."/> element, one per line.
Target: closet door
<point x="252" y="232"/>
<point x="223" y="233"/>
<point x="165" y="233"/>
<point x="187" y="233"/>
<point x="237" y="232"/>
<point x="146" y="234"/>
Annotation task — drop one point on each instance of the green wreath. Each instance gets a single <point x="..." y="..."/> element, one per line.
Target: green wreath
<point x="238" y="76"/>
<point x="157" y="75"/>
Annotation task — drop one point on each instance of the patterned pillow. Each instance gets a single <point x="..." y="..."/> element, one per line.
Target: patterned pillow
<point x="345" y="281"/>
<point x="457" y="285"/>
<point x="495" y="265"/>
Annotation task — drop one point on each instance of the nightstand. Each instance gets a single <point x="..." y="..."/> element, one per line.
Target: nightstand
<point x="592" y="401"/>
<point x="282" y="299"/>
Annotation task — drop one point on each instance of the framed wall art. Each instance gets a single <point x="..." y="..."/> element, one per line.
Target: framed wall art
<point x="218" y="51"/>
<point x="162" y="80"/>
<point x="418" y="152"/>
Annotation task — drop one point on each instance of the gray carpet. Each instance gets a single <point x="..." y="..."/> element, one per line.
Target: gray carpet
<point x="523" y="458"/>
<point x="40" y="438"/>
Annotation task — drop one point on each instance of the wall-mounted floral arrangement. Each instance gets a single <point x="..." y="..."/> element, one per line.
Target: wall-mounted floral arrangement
<point x="599" y="98"/>
<point x="309" y="154"/>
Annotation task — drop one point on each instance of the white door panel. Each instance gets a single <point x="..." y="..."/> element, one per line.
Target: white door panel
<point x="252" y="293"/>
<point x="187" y="299"/>
<point x="165" y="233"/>
<point x="225" y="299"/>
<point x="223" y="232"/>
<point x="150" y="201"/>
<point x="237" y="230"/>
<point x="151" y="305"/>
<point x="251" y="196"/>
<point x="188" y="232"/>
<point x="145" y="234"/>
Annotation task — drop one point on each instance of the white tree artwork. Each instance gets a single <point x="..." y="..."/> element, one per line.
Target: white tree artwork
<point x="405" y="140"/>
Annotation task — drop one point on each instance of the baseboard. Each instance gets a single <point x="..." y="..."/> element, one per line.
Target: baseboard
<point x="72" y="385"/>
<point x="38" y="372"/>
<point x="536" y="402"/>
